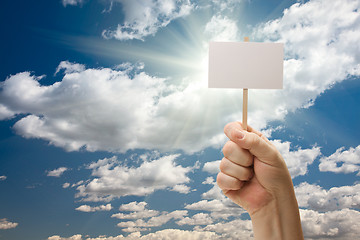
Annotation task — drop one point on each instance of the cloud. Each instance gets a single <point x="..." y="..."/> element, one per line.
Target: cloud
<point x="236" y="229"/>
<point x="3" y="178"/>
<point x="174" y="234"/>
<point x="137" y="210"/>
<point x="216" y="203"/>
<point x="315" y="197"/>
<point x="342" y="161"/>
<point x="57" y="172"/>
<point x="221" y="28"/>
<point x="197" y="219"/>
<point x="5" y="224"/>
<point x="181" y="188"/>
<point x="146" y="17"/>
<point x="320" y="47"/>
<point x="156" y="221"/>
<point x="341" y="225"/>
<point x="115" y="110"/>
<point x="72" y="2"/>
<point x="87" y="208"/>
<point x="69" y="67"/>
<point x="112" y="180"/>
<point x="74" y="237"/>
<point x="212" y="167"/>
<point x="297" y="161"/>
<point x="66" y="185"/>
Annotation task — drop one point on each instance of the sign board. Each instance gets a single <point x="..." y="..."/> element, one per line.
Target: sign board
<point x="246" y="65"/>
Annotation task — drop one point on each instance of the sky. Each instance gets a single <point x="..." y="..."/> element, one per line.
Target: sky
<point x="108" y="130"/>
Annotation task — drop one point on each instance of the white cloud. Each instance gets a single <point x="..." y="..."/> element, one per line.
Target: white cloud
<point x="66" y="185"/>
<point x="174" y="234"/>
<point x="72" y="2"/>
<point x="297" y="161"/>
<point x="146" y="17"/>
<point x="112" y="110"/>
<point x="236" y="229"/>
<point x="156" y="221"/>
<point x="87" y="208"/>
<point x="75" y="237"/>
<point x="137" y="210"/>
<point x="318" y="47"/>
<point x="5" y="224"/>
<point x="226" y="4"/>
<point x="342" y="161"/>
<point x="181" y="188"/>
<point x="69" y="67"/>
<point x="197" y="219"/>
<point x="212" y="167"/>
<point x="221" y="28"/>
<point x="3" y="178"/>
<point x="57" y="172"/>
<point x="133" y="206"/>
<point x="341" y="225"/>
<point x="5" y="113"/>
<point x="112" y="180"/>
<point x="216" y="203"/>
<point x="319" y="199"/>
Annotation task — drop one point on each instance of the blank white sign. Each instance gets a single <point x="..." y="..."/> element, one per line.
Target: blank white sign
<point x="246" y="65"/>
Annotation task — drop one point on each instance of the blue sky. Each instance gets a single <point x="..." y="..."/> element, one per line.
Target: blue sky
<point x="108" y="129"/>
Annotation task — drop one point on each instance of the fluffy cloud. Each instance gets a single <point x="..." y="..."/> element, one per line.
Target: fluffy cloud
<point x="72" y="2"/>
<point x="5" y="224"/>
<point x="216" y="203"/>
<point x="75" y="237"/>
<point x="144" y="17"/>
<point x="212" y="167"/>
<point x="112" y="180"/>
<point x="197" y="219"/>
<point x="3" y="178"/>
<point x="341" y="225"/>
<point x="221" y="28"/>
<point x="319" y="199"/>
<point x="342" y="161"/>
<point x="321" y="47"/>
<point x="156" y="221"/>
<point x="56" y="172"/>
<point x="137" y="210"/>
<point x="236" y="229"/>
<point x="174" y="234"/>
<point x="298" y="160"/>
<point x="105" y="109"/>
<point x="181" y="188"/>
<point x="113" y="110"/>
<point x="87" y="208"/>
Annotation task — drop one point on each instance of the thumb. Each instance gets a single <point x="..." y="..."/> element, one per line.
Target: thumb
<point x="255" y="142"/>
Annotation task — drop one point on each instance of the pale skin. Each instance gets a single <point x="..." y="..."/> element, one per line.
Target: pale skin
<point x="253" y="174"/>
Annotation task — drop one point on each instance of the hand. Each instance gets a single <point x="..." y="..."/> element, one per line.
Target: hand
<point x="254" y="175"/>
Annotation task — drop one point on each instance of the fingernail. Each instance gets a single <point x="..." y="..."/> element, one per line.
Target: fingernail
<point x="239" y="134"/>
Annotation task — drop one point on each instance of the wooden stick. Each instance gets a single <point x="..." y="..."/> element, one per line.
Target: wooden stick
<point x="245" y="108"/>
<point x="245" y="100"/>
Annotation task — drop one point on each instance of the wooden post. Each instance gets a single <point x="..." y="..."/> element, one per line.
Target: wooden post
<point x="245" y="108"/>
<point x="245" y="100"/>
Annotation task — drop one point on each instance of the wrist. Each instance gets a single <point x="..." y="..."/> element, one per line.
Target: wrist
<point x="279" y="219"/>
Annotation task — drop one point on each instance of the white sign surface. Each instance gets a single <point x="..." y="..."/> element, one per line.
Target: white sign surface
<point x="246" y="65"/>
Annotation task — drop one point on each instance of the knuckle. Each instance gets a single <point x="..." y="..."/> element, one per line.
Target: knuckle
<point x="227" y="149"/>
<point x="220" y="180"/>
<point x="223" y="165"/>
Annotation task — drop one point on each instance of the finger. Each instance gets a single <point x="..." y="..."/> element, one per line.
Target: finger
<point x="256" y="143"/>
<point x="226" y="182"/>
<point x="237" y="154"/>
<point x="236" y="171"/>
